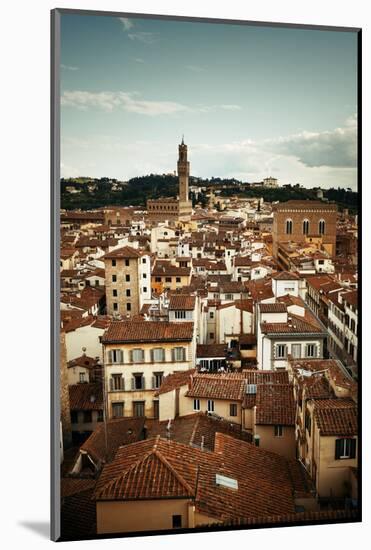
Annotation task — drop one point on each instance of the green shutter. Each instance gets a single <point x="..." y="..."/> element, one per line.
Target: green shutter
<point x="353" y="446"/>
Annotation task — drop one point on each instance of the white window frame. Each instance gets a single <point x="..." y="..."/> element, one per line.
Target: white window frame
<point x="278" y="430"/>
<point x="279" y="346"/>
<point x="345" y="442"/>
<point x="311" y="347"/>
<point x="196" y="405"/>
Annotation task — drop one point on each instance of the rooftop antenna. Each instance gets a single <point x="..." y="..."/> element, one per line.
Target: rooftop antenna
<point x="182" y="139"/>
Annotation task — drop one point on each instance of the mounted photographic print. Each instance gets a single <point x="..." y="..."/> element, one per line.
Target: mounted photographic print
<point x="205" y="222"/>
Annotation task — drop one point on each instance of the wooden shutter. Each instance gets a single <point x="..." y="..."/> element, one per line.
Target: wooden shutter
<point x="133" y="383"/>
<point x="143" y="383"/>
<point x="152" y="352"/>
<point x="110" y="356"/>
<point x="353" y="446"/>
<point x="131" y="356"/>
<point x="153" y="382"/>
<point x="111" y="384"/>
<point x="338" y="445"/>
<point x="173" y="354"/>
<point x="122" y="383"/>
<point x="121" y="356"/>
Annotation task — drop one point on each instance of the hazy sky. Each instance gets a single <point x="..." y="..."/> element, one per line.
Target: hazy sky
<point x="251" y="101"/>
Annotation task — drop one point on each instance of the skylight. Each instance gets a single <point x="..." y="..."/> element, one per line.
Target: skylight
<point x="226" y="481"/>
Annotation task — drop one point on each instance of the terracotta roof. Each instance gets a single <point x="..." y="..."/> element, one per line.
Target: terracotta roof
<point x="147" y="331"/>
<point x="86" y="397"/>
<point x="229" y="386"/>
<point x="163" y="270"/>
<point x="182" y="301"/>
<point x="120" y="431"/>
<point x="196" y="429"/>
<point x="275" y="404"/>
<point x="297" y="325"/>
<point x="336" y="416"/>
<point x="351" y="298"/>
<point x="211" y="350"/>
<point x="157" y="468"/>
<point x="175" y="380"/>
<point x="124" y="252"/>
<point x="273" y="308"/>
<point x="78" y="510"/>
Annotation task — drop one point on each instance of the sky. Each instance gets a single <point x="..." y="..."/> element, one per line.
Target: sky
<point x="251" y="101"/>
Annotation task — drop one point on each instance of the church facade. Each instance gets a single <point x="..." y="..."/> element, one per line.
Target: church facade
<point x="174" y="209"/>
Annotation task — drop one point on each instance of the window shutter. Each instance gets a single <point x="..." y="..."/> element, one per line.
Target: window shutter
<point x="184" y="354"/>
<point x="152" y="355"/>
<point x="131" y="356"/>
<point x="111" y="384"/>
<point x="121" y="356"/>
<point x="353" y="445"/>
<point x="143" y="383"/>
<point x="122" y="383"/>
<point x="132" y="383"/>
<point x="173" y="354"/>
<point x="153" y="382"/>
<point x="338" y="444"/>
<point x="110" y="356"/>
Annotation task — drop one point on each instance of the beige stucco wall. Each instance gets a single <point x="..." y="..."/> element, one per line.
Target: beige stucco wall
<point x="221" y="407"/>
<point x="167" y="405"/>
<point x="140" y="515"/>
<point x="333" y="476"/>
<point x="284" y="446"/>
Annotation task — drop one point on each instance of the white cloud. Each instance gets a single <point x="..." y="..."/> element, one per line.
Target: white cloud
<point x="139" y="60"/>
<point x="195" y="68"/>
<point x="133" y="103"/>
<point x="336" y="147"/>
<point x="127" y="23"/>
<point x="69" y="67"/>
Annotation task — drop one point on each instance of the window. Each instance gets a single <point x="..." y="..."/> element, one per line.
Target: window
<point x="88" y="416"/>
<point x="157" y="379"/>
<point x="210" y="405"/>
<point x="114" y="278"/>
<point x="156" y="409"/>
<point x="128" y="292"/>
<point x="311" y="350"/>
<point x="345" y="448"/>
<point x="177" y="522"/>
<point x="158" y="354"/>
<point x="168" y="279"/>
<point x="100" y="417"/>
<point x="288" y="227"/>
<point x="127" y="278"/>
<point x="157" y="279"/>
<point x="82" y="377"/>
<point x="127" y="263"/>
<point x="321" y="227"/>
<point x="117" y="410"/>
<point x="305" y="227"/>
<point x="138" y="408"/>
<point x="144" y="289"/>
<point x="115" y="306"/>
<point x="211" y="315"/>
<point x="229" y="296"/>
<point x="113" y="263"/>
<point x="74" y="417"/>
<point x="281" y="351"/>
<point x="137" y="382"/>
<point x="211" y="336"/>
<point x="115" y="356"/>
<point x="128" y="306"/>
<point x="178" y="279"/>
<point x="114" y="292"/>
<point x="144" y="261"/>
<point x="278" y="431"/>
<point x="179" y="354"/>
<point x="116" y="382"/>
<point x="137" y="355"/>
<point x="196" y="405"/>
<point x="233" y="409"/>
<point x="180" y="315"/>
<point x="296" y="351"/>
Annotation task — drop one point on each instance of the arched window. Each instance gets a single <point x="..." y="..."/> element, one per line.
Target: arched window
<point x="321" y="227"/>
<point x="288" y="227"/>
<point x="305" y="227"/>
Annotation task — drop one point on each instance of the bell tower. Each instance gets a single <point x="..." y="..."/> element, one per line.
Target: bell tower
<point x="183" y="172"/>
